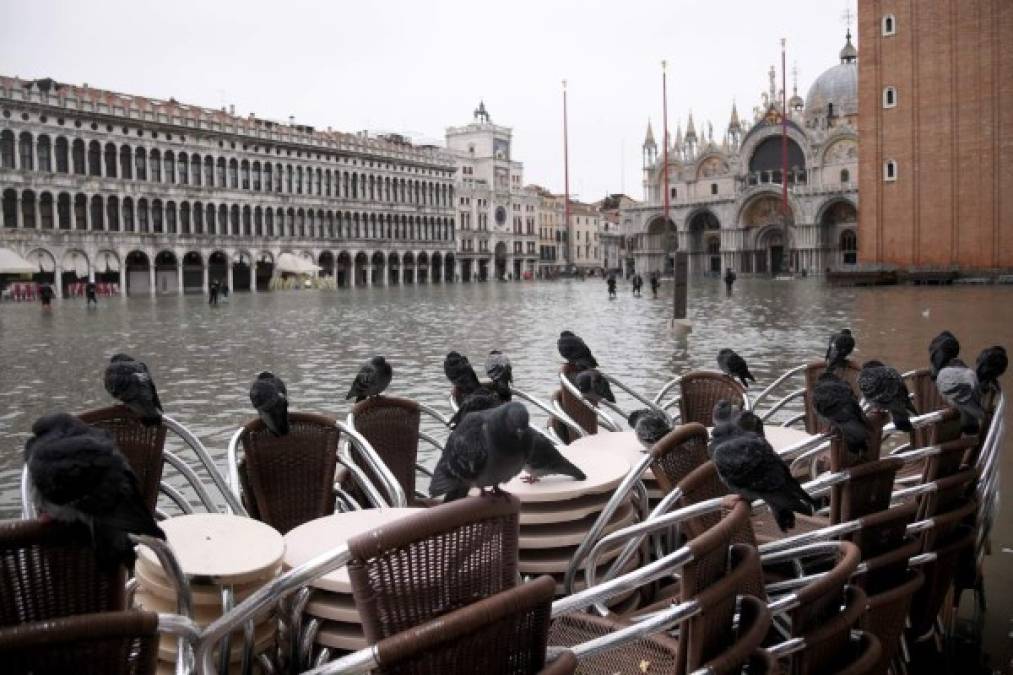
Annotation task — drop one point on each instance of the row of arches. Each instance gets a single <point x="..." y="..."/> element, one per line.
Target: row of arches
<point x="166" y="271"/>
<point x="111" y="213"/>
<point x="140" y="163"/>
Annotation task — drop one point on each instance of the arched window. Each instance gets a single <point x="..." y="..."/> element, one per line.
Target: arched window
<point x="77" y="157"/>
<point x="220" y="178"/>
<point x="195" y="169"/>
<point x="126" y="162"/>
<point x="6" y="149"/>
<point x="94" y="159"/>
<point x="209" y="171"/>
<point x="170" y="217"/>
<point x="256" y="176"/>
<point x="113" y="214"/>
<point x="849" y="247"/>
<point x="198" y="218"/>
<point x="889" y="25"/>
<point x="890" y="97"/>
<point x="184" y="218"/>
<point x="111" y="156"/>
<point x="169" y="164"/>
<point x="155" y="160"/>
<point x="245" y="170"/>
<point x="845" y="176"/>
<point x="25" y="152"/>
<point x="890" y="170"/>
<point x="63" y="211"/>
<point x="128" y="214"/>
<point x="44" y="153"/>
<point x="234" y="175"/>
<point x="183" y="168"/>
<point x="141" y="164"/>
<point x="62" y="155"/>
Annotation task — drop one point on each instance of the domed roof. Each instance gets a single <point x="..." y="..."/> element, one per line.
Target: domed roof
<point x="839" y="86"/>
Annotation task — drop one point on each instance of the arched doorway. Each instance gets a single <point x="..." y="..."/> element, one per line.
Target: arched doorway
<point x="326" y="262"/>
<point x="770" y="258"/>
<point x="218" y="268"/>
<point x="436" y="268"/>
<point x="361" y="265"/>
<point x="501" y="260"/>
<point x="193" y="272"/>
<point x="45" y="263"/>
<point x="448" y="267"/>
<point x="264" y="270"/>
<point x="660" y="242"/>
<point x="849" y="247"/>
<point x="242" y="271"/>
<point x="166" y="276"/>
<point x="344" y="269"/>
<point x="76" y="270"/>
<point x="422" y="268"/>
<point x="394" y="269"/>
<point x="764" y="215"/>
<point x="378" y="268"/>
<point x="107" y="269"/>
<point x="714" y="255"/>
<point x="408" y="264"/>
<point x="703" y="226"/>
<point x="138" y="273"/>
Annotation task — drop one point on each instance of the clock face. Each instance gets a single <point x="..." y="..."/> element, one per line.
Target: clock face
<point x="500" y="215"/>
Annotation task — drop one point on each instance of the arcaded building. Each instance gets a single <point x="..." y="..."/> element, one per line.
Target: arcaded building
<point x="725" y="193"/>
<point x="162" y="197"/>
<point x="936" y="104"/>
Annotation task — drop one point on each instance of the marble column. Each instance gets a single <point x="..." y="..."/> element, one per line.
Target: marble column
<point x="179" y="276"/>
<point x="151" y="278"/>
<point x="228" y="271"/>
<point x="58" y="280"/>
<point x="123" y="278"/>
<point x="204" y="280"/>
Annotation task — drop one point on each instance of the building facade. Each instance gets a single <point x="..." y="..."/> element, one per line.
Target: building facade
<point x="552" y="236"/>
<point x="616" y="233"/>
<point x="498" y="216"/>
<point x="936" y="103"/>
<point x="585" y="244"/>
<point x="725" y="197"/>
<point x="162" y="197"/>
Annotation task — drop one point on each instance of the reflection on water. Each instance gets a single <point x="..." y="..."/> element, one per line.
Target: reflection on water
<point x="204" y="358"/>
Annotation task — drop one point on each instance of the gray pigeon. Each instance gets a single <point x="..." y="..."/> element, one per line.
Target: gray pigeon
<point x="372" y="379"/>
<point x="727" y="415"/>
<point x="546" y="460"/>
<point x="943" y="348"/>
<point x="733" y="365"/>
<point x="270" y="397"/>
<point x="499" y="370"/>
<point x="747" y="420"/>
<point x="79" y="476"/>
<point x="458" y="370"/>
<point x="650" y="426"/>
<point x="724" y="413"/>
<point x="990" y="366"/>
<point x="594" y="386"/>
<point x="576" y="353"/>
<point x="840" y="347"/>
<point x="884" y="388"/>
<point x="958" y="385"/>
<point x="487" y="448"/>
<point x="129" y="381"/>
<point x="480" y="399"/>
<point x="748" y="465"/>
<point x="836" y="404"/>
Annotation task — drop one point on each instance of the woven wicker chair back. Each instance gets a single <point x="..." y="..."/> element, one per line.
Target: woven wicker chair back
<point x="701" y="390"/>
<point x="391" y="425"/>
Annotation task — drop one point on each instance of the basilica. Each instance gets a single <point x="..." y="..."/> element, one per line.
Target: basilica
<point x="725" y="196"/>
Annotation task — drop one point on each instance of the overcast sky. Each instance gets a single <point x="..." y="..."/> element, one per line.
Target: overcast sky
<point x="417" y="67"/>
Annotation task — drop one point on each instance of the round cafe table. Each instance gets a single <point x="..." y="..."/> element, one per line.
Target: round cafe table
<point x="214" y="551"/>
<point x="331" y="601"/>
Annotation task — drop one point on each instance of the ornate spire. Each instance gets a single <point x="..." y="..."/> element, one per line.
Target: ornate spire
<point x="649" y="138"/>
<point x="481" y="115"/>
<point x="795" y="102"/>
<point x="690" y="129"/>
<point x="849" y="54"/>
<point x="678" y="136"/>
<point x="734" y="122"/>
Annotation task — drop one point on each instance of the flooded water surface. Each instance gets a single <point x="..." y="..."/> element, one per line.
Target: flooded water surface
<point x="204" y="358"/>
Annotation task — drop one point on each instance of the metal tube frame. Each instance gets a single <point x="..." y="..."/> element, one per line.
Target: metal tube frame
<point x="188" y="437"/>
<point x="550" y="411"/>
<point x="633" y="393"/>
<point x="396" y="494"/>
<point x="604" y="418"/>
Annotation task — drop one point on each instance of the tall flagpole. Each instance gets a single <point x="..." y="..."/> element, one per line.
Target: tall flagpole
<point x="784" y="133"/>
<point x="566" y="182"/>
<point x="664" y="133"/>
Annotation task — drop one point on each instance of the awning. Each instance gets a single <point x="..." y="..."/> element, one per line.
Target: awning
<point x="77" y="263"/>
<point x="295" y="265"/>
<point x="106" y="261"/>
<point x="12" y="263"/>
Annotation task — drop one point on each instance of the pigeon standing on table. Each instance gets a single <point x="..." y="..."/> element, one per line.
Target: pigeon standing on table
<point x="733" y="365"/>
<point x="269" y="396"/>
<point x="594" y="386"/>
<point x="839" y="349"/>
<point x="943" y="348"/>
<point x="884" y="388"/>
<point x="836" y="404"/>
<point x="990" y="366"/>
<point x="499" y="370"/>
<point x="372" y="379"/>
<point x="458" y="370"/>
<point x="129" y="381"/>
<point x="748" y="465"/>
<point x="958" y="385"/>
<point x="650" y="426"/>
<point x="80" y="476"/>
<point x="487" y="448"/>
<point x="576" y="353"/>
<point x="547" y="460"/>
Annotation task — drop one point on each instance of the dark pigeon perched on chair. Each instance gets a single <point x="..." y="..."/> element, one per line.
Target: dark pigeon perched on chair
<point x="458" y="370"/>
<point x="80" y="476"/>
<point x="839" y="349"/>
<point x="480" y="399"/>
<point x="943" y="348"/>
<point x="500" y="371"/>
<point x="733" y="365"/>
<point x="836" y="404"/>
<point x="650" y="426"/>
<point x="487" y="448"/>
<point x="372" y="379"/>
<point x="725" y="414"/>
<point x="576" y="353"/>
<point x="547" y="460"/>
<point x="269" y="396"/>
<point x="747" y="420"/>
<point x="748" y="465"/>
<point x="884" y="389"/>
<point x="958" y="385"/>
<point x="129" y="381"/>
<point x="594" y="386"/>
<point x="990" y="366"/>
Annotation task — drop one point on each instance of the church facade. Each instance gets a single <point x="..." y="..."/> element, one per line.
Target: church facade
<point x="726" y="206"/>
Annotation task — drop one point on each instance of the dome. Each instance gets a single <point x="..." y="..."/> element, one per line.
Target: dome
<point x="837" y="86"/>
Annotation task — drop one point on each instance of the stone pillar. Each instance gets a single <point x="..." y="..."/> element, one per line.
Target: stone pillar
<point x="204" y="279"/>
<point x="58" y="280"/>
<point x="18" y="215"/>
<point x="179" y="275"/>
<point x="123" y="278"/>
<point x="369" y="275"/>
<point x="228" y="278"/>
<point x="87" y="213"/>
<point x="253" y="275"/>
<point x="151" y="277"/>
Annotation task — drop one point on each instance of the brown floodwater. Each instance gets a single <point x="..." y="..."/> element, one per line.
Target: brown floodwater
<point x="204" y="358"/>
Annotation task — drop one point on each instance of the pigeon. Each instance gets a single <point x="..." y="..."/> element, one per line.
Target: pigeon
<point x="724" y="413"/>
<point x="734" y="365"/>
<point x="371" y="380"/>
<point x="594" y="386"/>
<point x="80" y="476"/>
<point x="650" y="426"/>
<point x="546" y="460"/>
<point x="958" y="385"/>
<point x="480" y="399"/>
<point x="499" y="370"/>
<point x="458" y="370"/>
<point x="129" y="381"/>
<point x="747" y="420"/>
<point x="836" y="404"/>
<point x="748" y="465"/>
<point x="943" y="348"/>
<point x="576" y="353"/>
<point x="990" y="366"/>
<point x="270" y="397"/>
<point x="487" y="448"/>
<point x="884" y="388"/>
<point x="840" y="347"/>
<point x="727" y="415"/>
